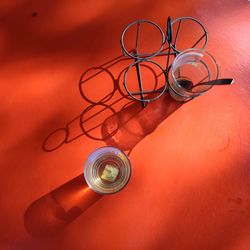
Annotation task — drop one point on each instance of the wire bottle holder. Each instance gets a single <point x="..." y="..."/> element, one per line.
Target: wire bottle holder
<point x="144" y="96"/>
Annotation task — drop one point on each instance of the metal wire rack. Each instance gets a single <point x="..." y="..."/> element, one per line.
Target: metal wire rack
<point x="166" y="48"/>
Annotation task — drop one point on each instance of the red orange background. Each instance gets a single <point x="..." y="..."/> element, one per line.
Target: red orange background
<point x="190" y="183"/>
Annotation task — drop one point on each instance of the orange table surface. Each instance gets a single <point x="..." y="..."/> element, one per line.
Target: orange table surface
<point x="190" y="180"/>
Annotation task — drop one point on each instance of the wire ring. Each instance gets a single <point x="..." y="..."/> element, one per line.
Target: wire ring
<point x="82" y="121"/>
<point x="195" y="20"/>
<point x="137" y="57"/>
<point x="82" y="82"/>
<point x="138" y="99"/>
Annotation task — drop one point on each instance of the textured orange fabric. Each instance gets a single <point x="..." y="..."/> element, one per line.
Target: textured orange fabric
<point x="190" y="162"/>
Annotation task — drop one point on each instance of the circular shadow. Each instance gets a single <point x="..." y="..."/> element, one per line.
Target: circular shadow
<point x="120" y="87"/>
<point x="55" y="139"/>
<point x="94" y="127"/>
<point x="87" y="96"/>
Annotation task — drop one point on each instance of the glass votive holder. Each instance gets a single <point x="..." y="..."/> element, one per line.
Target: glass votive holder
<point x="107" y="170"/>
<point x="188" y="70"/>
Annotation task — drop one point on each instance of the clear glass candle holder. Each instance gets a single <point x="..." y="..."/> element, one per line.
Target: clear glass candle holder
<point x="107" y="170"/>
<point x="188" y="70"/>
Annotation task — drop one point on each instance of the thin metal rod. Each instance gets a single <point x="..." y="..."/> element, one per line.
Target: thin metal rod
<point x="137" y="38"/>
<point x="169" y="39"/>
<point x="198" y="40"/>
<point x="177" y="32"/>
<point x="138" y="70"/>
<point x="167" y="65"/>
